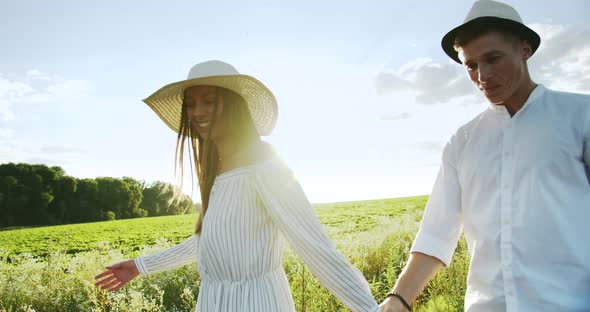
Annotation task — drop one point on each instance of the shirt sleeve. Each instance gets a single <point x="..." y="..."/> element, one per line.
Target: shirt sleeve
<point x="171" y="258"/>
<point x="442" y="224"/>
<point x="290" y="210"/>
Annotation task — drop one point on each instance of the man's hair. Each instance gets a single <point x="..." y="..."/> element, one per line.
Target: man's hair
<point x="467" y="34"/>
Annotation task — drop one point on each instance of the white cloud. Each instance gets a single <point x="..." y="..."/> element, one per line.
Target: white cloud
<point x="45" y="161"/>
<point x="12" y="150"/>
<point x="430" y="146"/>
<point x="54" y="149"/>
<point x="396" y="117"/>
<point x="563" y="59"/>
<point x="562" y="62"/>
<point x="431" y="82"/>
<point x="6" y="133"/>
<point x="35" y="74"/>
<point x="11" y="92"/>
<point x="39" y="88"/>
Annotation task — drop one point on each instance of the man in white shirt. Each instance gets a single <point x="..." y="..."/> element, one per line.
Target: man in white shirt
<point x="515" y="180"/>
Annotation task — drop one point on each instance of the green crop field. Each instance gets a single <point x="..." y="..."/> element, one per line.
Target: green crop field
<point x="52" y="268"/>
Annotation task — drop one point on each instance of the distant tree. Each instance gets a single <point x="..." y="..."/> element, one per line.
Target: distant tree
<point x="64" y="192"/>
<point x="87" y="198"/>
<point x="158" y="200"/>
<point x="133" y="189"/>
<point x="41" y="195"/>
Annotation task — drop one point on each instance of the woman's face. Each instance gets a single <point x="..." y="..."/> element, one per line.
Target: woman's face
<point x="200" y="102"/>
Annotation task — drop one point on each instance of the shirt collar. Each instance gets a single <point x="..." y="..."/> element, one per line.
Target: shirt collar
<point x="538" y="91"/>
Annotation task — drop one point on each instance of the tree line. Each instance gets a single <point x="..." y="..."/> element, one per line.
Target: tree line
<point x="32" y="195"/>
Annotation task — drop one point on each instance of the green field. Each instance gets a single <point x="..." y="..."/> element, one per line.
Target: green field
<point x="52" y="268"/>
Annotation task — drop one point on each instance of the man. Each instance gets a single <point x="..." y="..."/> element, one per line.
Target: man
<point x="515" y="179"/>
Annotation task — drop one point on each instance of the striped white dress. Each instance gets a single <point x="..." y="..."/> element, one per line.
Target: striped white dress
<point x="239" y="251"/>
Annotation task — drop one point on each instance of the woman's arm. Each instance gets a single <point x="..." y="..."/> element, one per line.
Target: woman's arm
<point x="171" y="258"/>
<point x="292" y="213"/>
<point x="119" y="274"/>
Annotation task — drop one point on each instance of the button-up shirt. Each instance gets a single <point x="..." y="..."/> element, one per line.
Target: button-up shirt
<point x="519" y="188"/>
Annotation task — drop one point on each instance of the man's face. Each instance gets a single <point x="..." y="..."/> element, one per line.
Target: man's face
<point x="496" y="64"/>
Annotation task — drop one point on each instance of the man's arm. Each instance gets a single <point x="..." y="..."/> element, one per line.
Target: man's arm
<point x="419" y="270"/>
<point x="437" y="237"/>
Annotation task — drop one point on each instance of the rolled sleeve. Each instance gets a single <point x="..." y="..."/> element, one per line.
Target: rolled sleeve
<point x="441" y="224"/>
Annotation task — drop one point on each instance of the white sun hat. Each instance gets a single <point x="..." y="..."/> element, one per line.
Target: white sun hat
<point x="167" y="101"/>
<point x="490" y="13"/>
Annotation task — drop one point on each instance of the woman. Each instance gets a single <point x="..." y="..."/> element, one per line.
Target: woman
<point x="250" y="202"/>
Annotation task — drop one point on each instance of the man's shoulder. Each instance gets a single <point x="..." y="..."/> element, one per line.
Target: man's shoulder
<point x="566" y="97"/>
<point x="462" y="133"/>
<point x="461" y="137"/>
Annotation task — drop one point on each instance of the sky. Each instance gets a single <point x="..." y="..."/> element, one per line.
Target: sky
<point x="367" y="98"/>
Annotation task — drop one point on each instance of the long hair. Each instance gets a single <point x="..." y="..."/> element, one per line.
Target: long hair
<point x="238" y="124"/>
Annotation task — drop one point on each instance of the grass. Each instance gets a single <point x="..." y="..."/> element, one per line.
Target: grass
<point x="52" y="268"/>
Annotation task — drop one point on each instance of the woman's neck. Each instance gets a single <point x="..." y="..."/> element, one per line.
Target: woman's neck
<point x="234" y="154"/>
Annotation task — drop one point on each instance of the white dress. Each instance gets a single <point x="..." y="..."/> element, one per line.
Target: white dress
<point x="239" y="250"/>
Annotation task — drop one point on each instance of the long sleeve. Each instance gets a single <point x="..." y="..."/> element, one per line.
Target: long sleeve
<point x="292" y="213"/>
<point x="171" y="258"/>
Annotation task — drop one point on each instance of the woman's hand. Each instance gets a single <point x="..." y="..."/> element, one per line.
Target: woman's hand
<point x="117" y="275"/>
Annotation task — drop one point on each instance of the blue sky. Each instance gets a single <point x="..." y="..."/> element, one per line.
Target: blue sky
<point x="367" y="98"/>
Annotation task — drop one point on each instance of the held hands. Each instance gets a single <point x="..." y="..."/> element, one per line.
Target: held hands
<point x="117" y="275"/>
<point x="391" y="304"/>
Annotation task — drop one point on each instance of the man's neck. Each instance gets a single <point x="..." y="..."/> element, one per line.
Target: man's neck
<point x="516" y="102"/>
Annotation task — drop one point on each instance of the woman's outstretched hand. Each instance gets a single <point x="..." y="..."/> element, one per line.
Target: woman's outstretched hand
<point x="117" y="275"/>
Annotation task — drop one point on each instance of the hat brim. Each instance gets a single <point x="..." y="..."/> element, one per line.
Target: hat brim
<point x="526" y="33"/>
<point x="167" y="101"/>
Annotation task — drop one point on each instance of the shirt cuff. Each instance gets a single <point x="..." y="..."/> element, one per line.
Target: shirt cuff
<point x="431" y="245"/>
<point x="140" y="266"/>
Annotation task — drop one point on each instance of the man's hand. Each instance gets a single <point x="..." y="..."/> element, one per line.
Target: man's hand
<point x="392" y="304"/>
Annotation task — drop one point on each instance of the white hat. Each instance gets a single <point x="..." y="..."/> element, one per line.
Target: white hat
<point x="167" y="101"/>
<point x="490" y="13"/>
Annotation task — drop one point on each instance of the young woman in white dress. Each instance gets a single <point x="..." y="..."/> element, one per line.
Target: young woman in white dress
<point x="251" y="202"/>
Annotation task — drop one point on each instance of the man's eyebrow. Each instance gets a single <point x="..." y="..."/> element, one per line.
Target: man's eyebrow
<point x="491" y="53"/>
<point x="485" y="55"/>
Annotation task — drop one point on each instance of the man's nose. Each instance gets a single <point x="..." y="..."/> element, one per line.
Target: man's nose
<point x="484" y="73"/>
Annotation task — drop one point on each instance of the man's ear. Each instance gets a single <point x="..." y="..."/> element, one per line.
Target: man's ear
<point x="526" y="50"/>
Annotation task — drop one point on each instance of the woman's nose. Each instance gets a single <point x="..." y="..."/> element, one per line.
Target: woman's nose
<point x="200" y="111"/>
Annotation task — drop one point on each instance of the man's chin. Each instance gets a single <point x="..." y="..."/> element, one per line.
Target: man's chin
<point x="495" y="100"/>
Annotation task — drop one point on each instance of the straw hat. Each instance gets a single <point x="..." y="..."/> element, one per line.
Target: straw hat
<point x="488" y="12"/>
<point x="167" y="101"/>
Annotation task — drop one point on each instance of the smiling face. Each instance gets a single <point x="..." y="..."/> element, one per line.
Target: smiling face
<point x="204" y="107"/>
<point x="496" y="64"/>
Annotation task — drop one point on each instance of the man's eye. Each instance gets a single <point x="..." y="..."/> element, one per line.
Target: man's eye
<point x="471" y="66"/>
<point x="493" y="59"/>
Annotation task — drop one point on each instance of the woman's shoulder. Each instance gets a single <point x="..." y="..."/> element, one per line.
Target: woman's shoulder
<point x="269" y="161"/>
<point x="265" y="151"/>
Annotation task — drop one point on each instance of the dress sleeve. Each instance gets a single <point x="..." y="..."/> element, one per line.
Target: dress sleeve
<point x="290" y="210"/>
<point x="441" y="225"/>
<point x="171" y="258"/>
